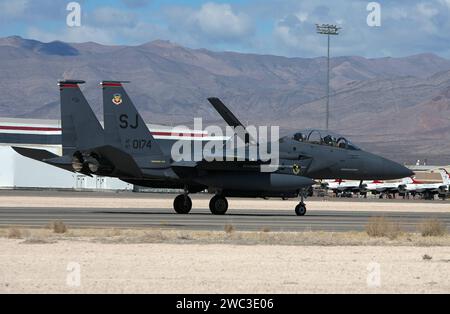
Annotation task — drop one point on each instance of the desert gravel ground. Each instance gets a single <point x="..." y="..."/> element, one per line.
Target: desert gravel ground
<point x="220" y="268"/>
<point x="148" y="261"/>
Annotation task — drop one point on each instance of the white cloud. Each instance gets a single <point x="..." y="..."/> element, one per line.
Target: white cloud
<point x="427" y="9"/>
<point x="136" y="3"/>
<point x="109" y="16"/>
<point x="445" y="2"/>
<point x="302" y="16"/>
<point x="219" y="20"/>
<point x="283" y="33"/>
<point x="15" y="8"/>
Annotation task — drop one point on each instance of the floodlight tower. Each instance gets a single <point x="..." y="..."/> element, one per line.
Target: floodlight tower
<point x="328" y="29"/>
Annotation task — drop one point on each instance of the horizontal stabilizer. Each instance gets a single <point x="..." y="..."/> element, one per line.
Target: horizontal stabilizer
<point x="36" y="154"/>
<point x="45" y="156"/>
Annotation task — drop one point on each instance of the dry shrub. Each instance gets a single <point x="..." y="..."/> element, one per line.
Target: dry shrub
<point x="265" y="229"/>
<point x="229" y="228"/>
<point x="432" y="228"/>
<point x="155" y="236"/>
<point x="381" y="227"/>
<point x="14" y="233"/>
<point x="427" y="257"/>
<point x="58" y="226"/>
<point x="114" y="233"/>
<point x="37" y="240"/>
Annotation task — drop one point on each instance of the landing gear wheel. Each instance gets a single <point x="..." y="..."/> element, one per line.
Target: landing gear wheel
<point x="182" y="204"/>
<point x="300" y="210"/>
<point x="218" y="205"/>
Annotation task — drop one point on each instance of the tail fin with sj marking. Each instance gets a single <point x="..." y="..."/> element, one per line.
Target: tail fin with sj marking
<point x="125" y="128"/>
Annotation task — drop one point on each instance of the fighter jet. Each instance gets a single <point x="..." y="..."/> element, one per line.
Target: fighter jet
<point x="428" y="190"/>
<point x="344" y="188"/>
<point x="129" y="152"/>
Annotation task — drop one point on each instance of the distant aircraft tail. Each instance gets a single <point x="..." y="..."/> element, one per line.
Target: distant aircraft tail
<point x="80" y="127"/>
<point x="445" y="176"/>
<point x="125" y="128"/>
<point x="407" y="180"/>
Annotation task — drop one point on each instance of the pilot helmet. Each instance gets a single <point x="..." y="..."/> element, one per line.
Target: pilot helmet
<point x="299" y="137"/>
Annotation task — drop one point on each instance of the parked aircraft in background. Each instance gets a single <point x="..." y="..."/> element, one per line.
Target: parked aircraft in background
<point x="428" y="190"/>
<point x="407" y="186"/>
<point x="344" y="188"/>
<point x="386" y="188"/>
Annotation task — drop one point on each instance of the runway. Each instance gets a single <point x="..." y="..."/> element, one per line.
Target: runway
<point x="201" y="219"/>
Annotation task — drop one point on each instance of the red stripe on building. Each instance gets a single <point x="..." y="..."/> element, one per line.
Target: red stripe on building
<point x="178" y="134"/>
<point x="50" y="129"/>
<point x="28" y="128"/>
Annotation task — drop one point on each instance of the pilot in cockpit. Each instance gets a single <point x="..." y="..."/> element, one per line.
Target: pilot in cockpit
<point x="329" y="140"/>
<point x="300" y="137"/>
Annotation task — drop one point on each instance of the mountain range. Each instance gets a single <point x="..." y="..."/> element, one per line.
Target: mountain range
<point x="397" y="107"/>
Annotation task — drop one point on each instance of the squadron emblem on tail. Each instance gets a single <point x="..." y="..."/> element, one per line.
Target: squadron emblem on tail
<point x="117" y="99"/>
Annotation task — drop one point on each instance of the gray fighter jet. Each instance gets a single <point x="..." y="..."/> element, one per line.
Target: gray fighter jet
<point x="127" y="150"/>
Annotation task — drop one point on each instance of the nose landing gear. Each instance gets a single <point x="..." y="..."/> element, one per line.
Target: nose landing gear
<point x="300" y="209"/>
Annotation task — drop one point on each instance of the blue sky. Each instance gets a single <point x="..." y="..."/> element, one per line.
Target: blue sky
<point x="280" y="27"/>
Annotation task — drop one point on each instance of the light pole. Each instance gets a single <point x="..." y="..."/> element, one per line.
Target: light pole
<point x="328" y="29"/>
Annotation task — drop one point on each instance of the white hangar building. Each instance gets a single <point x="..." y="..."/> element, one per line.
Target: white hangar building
<point x="19" y="172"/>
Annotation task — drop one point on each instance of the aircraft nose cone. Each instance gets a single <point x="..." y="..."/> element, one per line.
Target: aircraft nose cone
<point x="402" y="172"/>
<point x="394" y="170"/>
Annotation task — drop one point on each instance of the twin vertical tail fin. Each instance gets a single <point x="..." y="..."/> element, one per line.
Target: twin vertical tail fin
<point x="80" y="127"/>
<point x="124" y="126"/>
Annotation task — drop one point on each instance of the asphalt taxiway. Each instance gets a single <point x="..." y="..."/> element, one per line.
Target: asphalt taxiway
<point x="200" y="219"/>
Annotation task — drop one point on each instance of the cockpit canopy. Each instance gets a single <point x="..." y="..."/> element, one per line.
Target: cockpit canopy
<point x="323" y="137"/>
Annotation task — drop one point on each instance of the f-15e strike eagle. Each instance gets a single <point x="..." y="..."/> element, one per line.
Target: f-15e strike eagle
<point x="126" y="149"/>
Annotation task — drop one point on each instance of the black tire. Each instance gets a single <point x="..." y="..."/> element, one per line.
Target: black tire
<point x="182" y="204"/>
<point x="218" y="205"/>
<point x="300" y="210"/>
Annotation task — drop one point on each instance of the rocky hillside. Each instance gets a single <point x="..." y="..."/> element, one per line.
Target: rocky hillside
<point x="399" y="107"/>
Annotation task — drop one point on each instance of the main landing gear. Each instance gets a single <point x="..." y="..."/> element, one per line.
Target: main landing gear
<point x="300" y="209"/>
<point x="218" y="205"/>
<point x="182" y="203"/>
